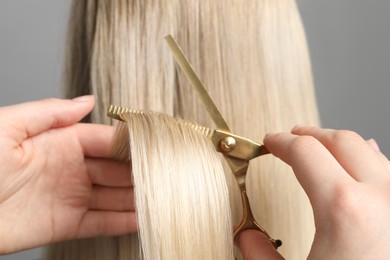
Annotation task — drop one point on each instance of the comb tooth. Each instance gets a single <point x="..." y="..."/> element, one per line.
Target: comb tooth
<point x="207" y="132"/>
<point x="110" y="109"/>
<point x="123" y="110"/>
<point x="116" y="112"/>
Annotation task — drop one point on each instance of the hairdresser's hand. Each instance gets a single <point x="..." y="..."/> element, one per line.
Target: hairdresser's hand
<point x="348" y="183"/>
<point x="55" y="180"/>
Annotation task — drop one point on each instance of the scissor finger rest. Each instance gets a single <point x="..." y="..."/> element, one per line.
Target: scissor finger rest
<point x="249" y="222"/>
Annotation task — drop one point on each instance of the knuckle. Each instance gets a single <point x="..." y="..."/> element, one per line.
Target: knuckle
<point x="345" y="206"/>
<point x="303" y="144"/>
<point x="345" y="135"/>
<point x="342" y="196"/>
<point x="49" y="100"/>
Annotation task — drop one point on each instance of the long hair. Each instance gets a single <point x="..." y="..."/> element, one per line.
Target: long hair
<point x="253" y="59"/>
<point x="181" y="193"/>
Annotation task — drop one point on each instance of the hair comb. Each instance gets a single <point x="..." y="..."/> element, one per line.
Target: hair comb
<point x="118" y="112"/>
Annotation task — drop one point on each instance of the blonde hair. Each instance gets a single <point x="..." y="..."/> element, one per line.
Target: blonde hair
<point x="252" y="58"/>
<point x="180" y="189"/>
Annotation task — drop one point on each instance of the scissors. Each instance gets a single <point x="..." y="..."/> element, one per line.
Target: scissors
<point x="237" y="150"/>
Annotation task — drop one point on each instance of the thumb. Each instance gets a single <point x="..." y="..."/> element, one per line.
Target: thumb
<point x="32" y="118"/>
<point x="255" y="245"/>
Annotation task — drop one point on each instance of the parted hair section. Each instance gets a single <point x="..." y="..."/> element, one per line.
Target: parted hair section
<point x="253" y="59"/>
<point x="183" y="209"/>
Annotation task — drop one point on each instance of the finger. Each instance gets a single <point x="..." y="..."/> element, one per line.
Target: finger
<point x="29" y="119"/>
<point x="106" y="223"/>
<point x="109" y="173"/>
<point x="95" y="140"/>
<point x="112" y="199"/>
<point x="374" y="145"/>
<point x="316" y="169"/>
<point x="255" y="245"/>
<point x="350" y="150"/>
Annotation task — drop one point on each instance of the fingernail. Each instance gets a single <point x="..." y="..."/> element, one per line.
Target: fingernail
<point x="297" y="126"/>
<point x="268" y="134"/>
<point x="374" y="145"/>
<point x="85" y="98"/>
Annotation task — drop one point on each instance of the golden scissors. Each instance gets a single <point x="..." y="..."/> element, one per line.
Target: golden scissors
<point x="237" y="150"/>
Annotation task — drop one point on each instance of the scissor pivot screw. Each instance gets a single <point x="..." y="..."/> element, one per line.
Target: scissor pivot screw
<point x="228" y="143"/>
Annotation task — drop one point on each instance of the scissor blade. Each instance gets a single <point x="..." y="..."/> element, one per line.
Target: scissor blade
<point x="196" y="84"/>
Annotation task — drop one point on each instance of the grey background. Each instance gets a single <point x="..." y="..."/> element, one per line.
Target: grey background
<point x="349" y="43"/>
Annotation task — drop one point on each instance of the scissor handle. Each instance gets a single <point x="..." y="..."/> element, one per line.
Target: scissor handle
<point x="249" y="222"/>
